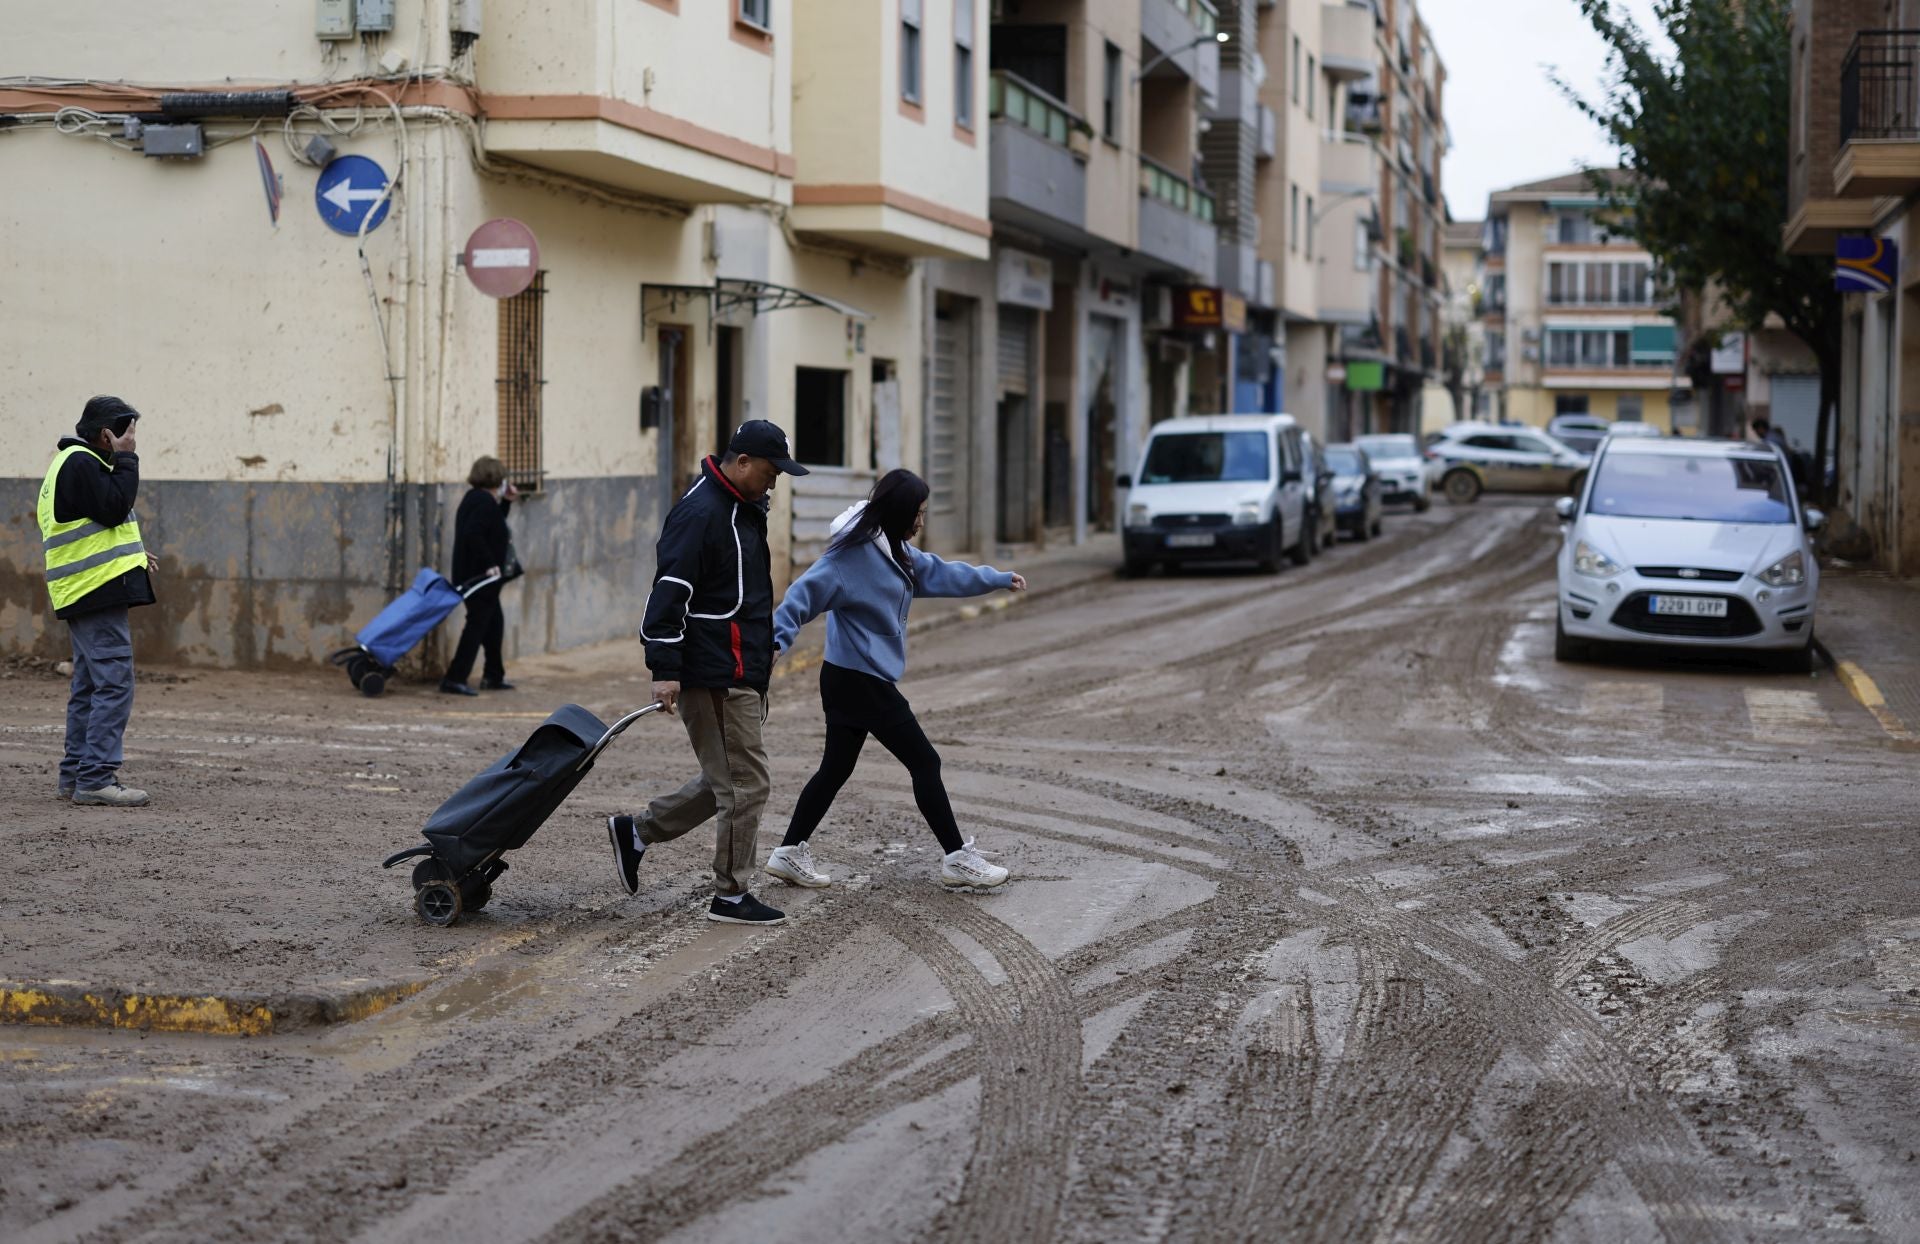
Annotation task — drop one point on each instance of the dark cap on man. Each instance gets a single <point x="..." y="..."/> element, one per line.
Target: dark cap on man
<point x="105" y="412"/>
<point x="758" y="438"/>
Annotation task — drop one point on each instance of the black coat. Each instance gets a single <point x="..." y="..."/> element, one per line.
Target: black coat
<point x="86" y="489"/>
<point x="709" y="618"/>
<point x="480" y="535"/>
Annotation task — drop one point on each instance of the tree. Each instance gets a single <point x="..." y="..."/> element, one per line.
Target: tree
<point x="1703" y="136"/>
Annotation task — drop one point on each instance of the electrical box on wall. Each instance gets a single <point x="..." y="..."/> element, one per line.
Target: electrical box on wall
<point x="333" y="19"/>
<point x="463" y="17"/>
<point x="374" y="17"/>
<point x="173" y="140"/>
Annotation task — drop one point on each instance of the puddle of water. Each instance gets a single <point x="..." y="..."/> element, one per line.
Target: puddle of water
<point x="1525" y="784"/>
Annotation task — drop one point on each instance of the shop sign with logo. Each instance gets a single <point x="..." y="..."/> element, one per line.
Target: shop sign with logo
<point x="1865" y="265"/>
<point x="1729" y="358"/>
<point x="1207" y="306"/>
<point x="1024" y="280"/>
<point x="1112" y="294"/>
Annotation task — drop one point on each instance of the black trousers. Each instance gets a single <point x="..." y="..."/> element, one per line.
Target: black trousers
<point x="909" y="745"/>
<point x="486" y="624"/>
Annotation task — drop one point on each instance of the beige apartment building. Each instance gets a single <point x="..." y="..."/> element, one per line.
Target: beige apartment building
<point x="1571" y="318"/>
<point x="1855" y="174"/>
<point x="732" y="211"/>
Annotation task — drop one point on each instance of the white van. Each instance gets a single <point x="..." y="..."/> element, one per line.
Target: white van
<point x="1218" y="488"/>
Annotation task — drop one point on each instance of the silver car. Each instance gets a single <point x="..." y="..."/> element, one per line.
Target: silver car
<point x="1402" y="468"/>
<point x="1473" y="458"/>
<point x="1692" y="543"/>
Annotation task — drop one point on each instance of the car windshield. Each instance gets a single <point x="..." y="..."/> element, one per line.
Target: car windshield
<point x="1343" y="461"/>
<point x="1205" y="457"/>
<point x="1389" y="447"/>
<point x="1705" y="489"/>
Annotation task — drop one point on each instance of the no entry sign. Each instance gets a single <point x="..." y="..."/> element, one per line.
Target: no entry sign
<point x="501" y="258"/>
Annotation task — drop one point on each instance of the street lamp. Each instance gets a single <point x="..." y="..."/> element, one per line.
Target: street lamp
<point x="1150" y="66"/>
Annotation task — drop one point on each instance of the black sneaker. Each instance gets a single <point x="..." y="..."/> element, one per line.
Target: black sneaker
<point x="456" y="688"/>
<point x="749" y="910"/>
<point x="627" y="850"/>
<point x="495" y="684"/>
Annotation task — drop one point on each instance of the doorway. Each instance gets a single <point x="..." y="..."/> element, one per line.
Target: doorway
<point x="950" y="426"/>
<point x="726" y="386"/>
<point x="680" y="454"/>
<point x="1103" y="418"/>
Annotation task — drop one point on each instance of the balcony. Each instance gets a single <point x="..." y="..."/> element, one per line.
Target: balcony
<point x="1346" y="41"/>
<point x="1879" y="116"/>
<point x="1176" y="221"/>
<point x="1239" y="270"/>
<point x="1346" y="166"/>
<point x="1166" y="25"/>
<point x="1037" y="165"/>
<point x="1269" y="134"/>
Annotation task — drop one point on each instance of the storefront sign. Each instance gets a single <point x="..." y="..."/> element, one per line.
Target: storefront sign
<point x="1865" y="265"/>
<point x="1111" y="294"/>
<point x="1366" y="377"/>
<point x="1336" y="372"/>
<point x="1730" y="356"/>
<point x="1024" y="280"/>
<point x="1206" y="306"/>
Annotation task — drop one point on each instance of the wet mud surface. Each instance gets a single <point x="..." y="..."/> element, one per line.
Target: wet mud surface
<point x="1340" y="912"/>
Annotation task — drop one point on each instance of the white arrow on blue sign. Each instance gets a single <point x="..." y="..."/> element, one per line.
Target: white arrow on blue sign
<point x="349" y="187"/>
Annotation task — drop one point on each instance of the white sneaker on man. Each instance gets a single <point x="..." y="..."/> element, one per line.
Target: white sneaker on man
<point x="794" y="865"/>
<point x="965" y="869"/>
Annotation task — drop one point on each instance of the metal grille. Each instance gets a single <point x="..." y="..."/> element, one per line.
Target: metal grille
<point x="520" y="380"/>
<point x="1636" y="614"/>
<point x="1878" y="82"/>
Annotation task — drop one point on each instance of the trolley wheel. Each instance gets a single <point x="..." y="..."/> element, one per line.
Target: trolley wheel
<point x="356" y="670"/>
<point x="372" y="683"/>
<point x="438" y="903"/>
<point x="474" y="893"/>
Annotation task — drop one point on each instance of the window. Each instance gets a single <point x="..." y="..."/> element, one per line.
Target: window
<point x="1599" y="283"/>
<point x="1309" y="226"/>
<point x="910" y="22"/>
<point x="1293" y="216"/>
<point x="1497" y="291"/>
<point x="1362" y="247"/>
<point x="1633" y="284"/>
<point x="519" y="380"/>
<point x="963" y="63"/>
<point x="1569" y="404"/>
<point x="1563" y="349"/>
<point x="1575" y="228"/>
<point x="1312" y="78"/>
<point x="1295" y="76"/>
<point x="1496" y="351"/>
<point x="1205" y="457"/>
<point x="1110" y="101"/>
<point x="757" y="13"/>
<point x="820" y="415"/>
<point x="1563" y="283"/>
<point x="1630" y="409"/>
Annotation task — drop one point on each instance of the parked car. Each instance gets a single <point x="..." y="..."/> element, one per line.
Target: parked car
<point x="1633" y="428"/>
<point x="1693" y="543"/>
<point x="1581" y="433"/>
<point x="1219" y="488"/>
<point x="1357" y="491"/>
<point x="1322" y="522"/>
<point x="1472" y="458"/>
<point x="1404" y="477"/>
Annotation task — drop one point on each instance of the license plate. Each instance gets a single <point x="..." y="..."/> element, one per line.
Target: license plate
<point x="1689" y="606"/>
<point x="1190" y="540"/>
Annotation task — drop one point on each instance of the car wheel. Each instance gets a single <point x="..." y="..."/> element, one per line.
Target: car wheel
<point x="1378" y="526"/>
<point x="1363" y="530"/>
<point x="1566" y="647"/>
<point x="1795" y="660"/>
<point x="1135" y="568"/>
<point x="1276" y="548"/>
<point x="1302" y="551"/>
<point x="1461" y="486"/>
<point x="1422" y="503"/>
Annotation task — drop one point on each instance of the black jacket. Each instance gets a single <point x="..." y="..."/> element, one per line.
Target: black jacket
<point x="480" y="534"/>
<point x="709" y="618"/>
<point x="86" y="489"/>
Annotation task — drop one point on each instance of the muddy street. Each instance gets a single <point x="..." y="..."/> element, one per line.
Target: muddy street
<point x="1340" y="911"/>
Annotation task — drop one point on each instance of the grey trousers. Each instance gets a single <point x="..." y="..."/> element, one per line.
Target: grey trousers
<point x="724" y="727"/>
<point x="101" y="700"/>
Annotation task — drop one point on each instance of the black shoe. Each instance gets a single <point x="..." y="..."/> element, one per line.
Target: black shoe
<point x="456" y="688"/>
<point x="495" y="684"/>
<point x="627" y="850"/>
<point x="749" y="910"/>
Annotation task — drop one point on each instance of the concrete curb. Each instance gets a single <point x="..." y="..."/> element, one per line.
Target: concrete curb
<point x="74" y="1004"/>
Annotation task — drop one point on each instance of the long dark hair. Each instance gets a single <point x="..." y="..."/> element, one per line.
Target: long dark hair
<point x="892" y="507"/>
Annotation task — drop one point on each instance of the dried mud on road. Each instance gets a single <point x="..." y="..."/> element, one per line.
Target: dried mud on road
<point x="1340" y="912"/>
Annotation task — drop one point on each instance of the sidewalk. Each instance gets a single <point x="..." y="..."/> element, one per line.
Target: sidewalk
<point x="1869" y="625"/>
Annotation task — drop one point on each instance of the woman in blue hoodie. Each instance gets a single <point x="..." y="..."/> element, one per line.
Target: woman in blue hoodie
<point x="864" y="583"/>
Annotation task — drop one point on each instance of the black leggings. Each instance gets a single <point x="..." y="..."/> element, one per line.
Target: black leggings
<point x="486" y="625"/>
<point x="909" y="745"/>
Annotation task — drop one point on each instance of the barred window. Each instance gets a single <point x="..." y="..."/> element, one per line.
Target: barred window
<point x="519" y="381"/>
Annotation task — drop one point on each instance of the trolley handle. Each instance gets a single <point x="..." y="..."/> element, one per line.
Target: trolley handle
<point x="614" y="731"/>
<point x="473" y="585"/>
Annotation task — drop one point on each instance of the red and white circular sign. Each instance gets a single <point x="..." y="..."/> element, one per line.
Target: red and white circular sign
<point x="501" y="258"/>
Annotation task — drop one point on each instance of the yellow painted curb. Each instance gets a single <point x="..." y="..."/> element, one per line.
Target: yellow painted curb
<point x="1862" y="688"/>
<point x="78" y="1006"/>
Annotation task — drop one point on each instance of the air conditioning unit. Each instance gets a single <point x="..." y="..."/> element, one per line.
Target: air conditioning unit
<point x="1156" y="307"/>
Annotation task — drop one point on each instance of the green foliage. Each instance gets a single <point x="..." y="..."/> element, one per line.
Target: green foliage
<point x="1703" y="137"/>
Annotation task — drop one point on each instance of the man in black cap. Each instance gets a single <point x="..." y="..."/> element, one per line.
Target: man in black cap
<point x="708" y="629"/>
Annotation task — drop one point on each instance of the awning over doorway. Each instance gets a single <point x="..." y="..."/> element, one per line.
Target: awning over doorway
<point x="728" y="294"/>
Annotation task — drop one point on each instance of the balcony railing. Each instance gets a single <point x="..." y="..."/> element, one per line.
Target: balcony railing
<point x="1201" y="13"/>
<point x="1877" y="86"/>
<point x="1013" y="98"/>
<point x="1160" y="182"/>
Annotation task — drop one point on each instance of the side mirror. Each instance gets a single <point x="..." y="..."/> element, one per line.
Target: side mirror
<point x="1814" y="519"/>
<point x="1124" y="481"/>
<point x="1564" y="508"/>
<point x="1289" y="477"/>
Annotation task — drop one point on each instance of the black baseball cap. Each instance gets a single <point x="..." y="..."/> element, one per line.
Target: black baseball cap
<point x="758" y="438"/>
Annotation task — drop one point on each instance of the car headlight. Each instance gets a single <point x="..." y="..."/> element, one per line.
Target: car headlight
<point x="1591" y="562"/>
<point x="1137" y="516"/>
<point x="1247" y="514"/>
<point x="1789" y="571"/>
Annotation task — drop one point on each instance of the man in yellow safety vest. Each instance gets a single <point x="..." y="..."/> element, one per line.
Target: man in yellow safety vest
<point x="97" y="569"/>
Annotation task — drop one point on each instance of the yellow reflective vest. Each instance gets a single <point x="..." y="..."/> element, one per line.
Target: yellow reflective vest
<point x="82" y="555"/>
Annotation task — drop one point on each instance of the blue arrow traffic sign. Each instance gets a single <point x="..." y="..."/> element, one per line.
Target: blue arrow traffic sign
<point x="348" y="188"/>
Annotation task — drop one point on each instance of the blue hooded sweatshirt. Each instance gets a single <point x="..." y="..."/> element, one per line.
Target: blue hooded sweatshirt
<point x="865" y="595"/>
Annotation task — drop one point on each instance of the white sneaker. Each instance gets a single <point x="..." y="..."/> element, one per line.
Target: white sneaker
<point x="112" y="795"/>
<point x="964" y="868"/>
<point x="794" y="865"/>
